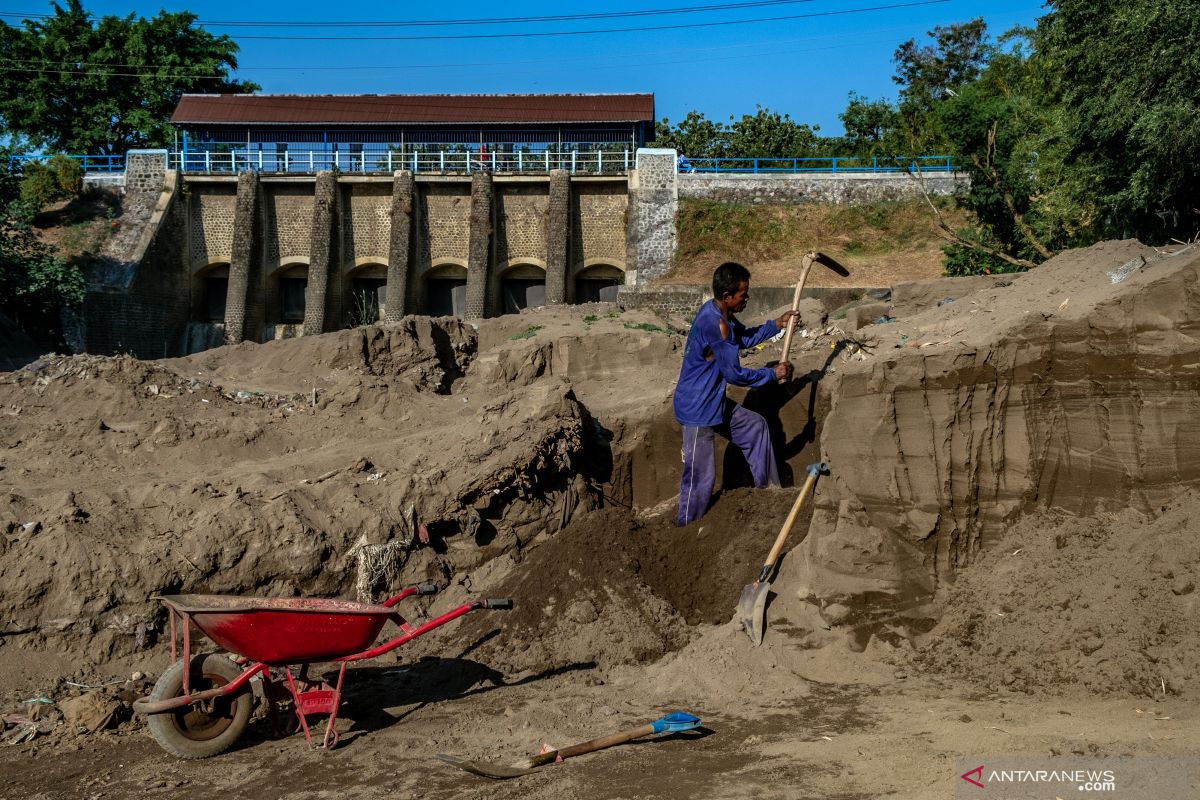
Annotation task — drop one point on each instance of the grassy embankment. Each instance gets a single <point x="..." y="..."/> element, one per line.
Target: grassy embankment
<point x="880" y="243"/>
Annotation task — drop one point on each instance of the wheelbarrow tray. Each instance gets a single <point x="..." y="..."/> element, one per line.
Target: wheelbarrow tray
<point x="285" y="630"/>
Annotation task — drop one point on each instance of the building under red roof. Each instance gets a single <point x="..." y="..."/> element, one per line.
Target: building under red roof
<point x="413" y="109"/>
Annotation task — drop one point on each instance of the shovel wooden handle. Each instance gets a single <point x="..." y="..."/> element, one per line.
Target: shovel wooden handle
<point x="805" y="266"/>
<point x="787" y="525"/>
<point x="593" y="745"/>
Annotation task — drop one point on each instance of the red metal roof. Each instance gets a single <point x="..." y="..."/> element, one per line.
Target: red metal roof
<point x="410" y="109"/>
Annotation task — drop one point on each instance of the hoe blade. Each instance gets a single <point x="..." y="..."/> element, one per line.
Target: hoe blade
<point x="752" y="610"/>
<point x="822" y="258"/>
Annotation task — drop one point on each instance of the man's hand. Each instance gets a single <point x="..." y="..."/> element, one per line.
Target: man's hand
<point x="783" y="370"/>
<point x="783" y="321"/>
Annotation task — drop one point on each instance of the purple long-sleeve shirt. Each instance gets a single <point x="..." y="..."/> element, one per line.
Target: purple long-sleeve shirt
<point x="700" y="392"/>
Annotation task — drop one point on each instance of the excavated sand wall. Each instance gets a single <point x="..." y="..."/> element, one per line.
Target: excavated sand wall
<point x="1064" y="390"/>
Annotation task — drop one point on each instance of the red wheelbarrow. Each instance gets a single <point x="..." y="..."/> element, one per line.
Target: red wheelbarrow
<point x="202" y="704"/>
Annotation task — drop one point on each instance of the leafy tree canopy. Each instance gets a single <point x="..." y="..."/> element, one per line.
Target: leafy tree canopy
<point x="86" y="85"/>
<point x="763" y="134"/>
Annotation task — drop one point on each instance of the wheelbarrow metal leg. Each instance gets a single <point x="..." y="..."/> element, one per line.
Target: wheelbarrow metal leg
<point x="323" y="700"/>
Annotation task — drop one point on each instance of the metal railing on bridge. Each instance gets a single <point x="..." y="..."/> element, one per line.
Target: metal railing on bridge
<point x="579" y="162"/>
<point x="90" y="164"/>
<point x="831" y="165"/>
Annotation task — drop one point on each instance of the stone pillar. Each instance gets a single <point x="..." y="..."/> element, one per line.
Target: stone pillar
<point x="399" y="245"/>
<point x="242" y="272"/>
<point x="653" y="202"/>
<point x="322" y="252"/>
<point x="558" y="231"/>
<point x="478" y="245"/>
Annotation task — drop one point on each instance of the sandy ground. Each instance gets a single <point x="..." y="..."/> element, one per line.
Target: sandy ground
<point x="535" y="459"/>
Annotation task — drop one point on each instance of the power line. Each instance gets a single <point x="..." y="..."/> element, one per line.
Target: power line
<point x="542" y="34"/>
<point x="622" y="61"/>
<point x="597" y="31"/>
<point x="856" y="36"/>
<point x="469" y="21"/>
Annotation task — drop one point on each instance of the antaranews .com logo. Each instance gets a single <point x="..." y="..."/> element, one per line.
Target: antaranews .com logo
<point x="1028" y="778"/>
<point x="1087" y="780"/>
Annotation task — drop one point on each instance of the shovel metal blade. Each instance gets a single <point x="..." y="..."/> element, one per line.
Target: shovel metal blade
<point x="484" y="769"/>
<point x="752" y="610"/>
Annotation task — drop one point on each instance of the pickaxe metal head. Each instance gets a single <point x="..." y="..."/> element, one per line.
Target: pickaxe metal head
<point x="827" y="261"/>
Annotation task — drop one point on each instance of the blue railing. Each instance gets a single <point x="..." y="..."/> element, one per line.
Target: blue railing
<point x="610" y="161"/>
<point x="835" y="165"/>
<point x="89" y="163"/>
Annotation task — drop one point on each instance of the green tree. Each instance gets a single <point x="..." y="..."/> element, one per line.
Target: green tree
<point x="872" y="127"/>
<point x="35" y="284"/>
<point x="931" y="72"/>
<point x="695" y="136"/>
<point x="1129" y="74"/>
<point x="769" y="134"/>
<point x="77" y="84"/>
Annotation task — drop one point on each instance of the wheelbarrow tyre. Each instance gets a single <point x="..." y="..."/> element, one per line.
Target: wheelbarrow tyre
<point x="191" y="733"/>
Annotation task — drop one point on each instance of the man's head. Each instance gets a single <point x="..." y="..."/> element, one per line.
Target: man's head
<point x="731" y="286"/>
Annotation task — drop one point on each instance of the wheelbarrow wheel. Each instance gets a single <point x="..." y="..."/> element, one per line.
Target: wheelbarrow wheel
<point x="200" y="731"/>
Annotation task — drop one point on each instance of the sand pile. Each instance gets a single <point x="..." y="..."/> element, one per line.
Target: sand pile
<point x="1070" y="387"/>
<point x="1104" y="604"/>
<point x="216" y="473"/>
<point x="612" y="588"/>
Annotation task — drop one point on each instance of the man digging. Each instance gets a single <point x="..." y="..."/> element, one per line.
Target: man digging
<point x="710" y="361"/>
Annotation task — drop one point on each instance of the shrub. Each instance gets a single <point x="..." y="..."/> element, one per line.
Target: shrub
<point x="39" y="185"/>
<point x="69" y="173"/>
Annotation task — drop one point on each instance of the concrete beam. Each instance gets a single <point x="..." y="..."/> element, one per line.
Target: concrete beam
<point x="558" y="231"/>
<point x="321" y="254"/>
<point x="478" y="245"/>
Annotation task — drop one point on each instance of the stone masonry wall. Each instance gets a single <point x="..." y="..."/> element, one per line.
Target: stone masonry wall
<point x="146" y="315"/>
<point x="242" y="298"/>
<point x="842" y="189"/>
<point x="654" y="199"/>
<point x="598" y="224"/>
<point x="400" y="230"/>
<point x="521" y="213"/>
<point x="289" y="210"/>
<point x="558" y="223"/>
<point x="368" y="222"/>
<point x="444" y="227"/>
<point x="145" y="170"/>
<point x="478" y="297"/>
<point x="324" y="249"/>
<point x="211" y="208"/>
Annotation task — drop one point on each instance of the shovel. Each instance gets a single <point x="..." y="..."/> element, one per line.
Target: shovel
<point x="752" y="606"/>
<point x="671" y="723"/>
<point x="810" y="258"/>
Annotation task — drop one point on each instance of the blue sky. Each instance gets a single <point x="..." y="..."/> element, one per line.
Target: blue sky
<point x="803" y="67"/>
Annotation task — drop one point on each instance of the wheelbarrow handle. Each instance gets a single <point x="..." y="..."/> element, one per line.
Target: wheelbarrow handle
<point x="498" y="603"/>
<point x="422" y="589"/>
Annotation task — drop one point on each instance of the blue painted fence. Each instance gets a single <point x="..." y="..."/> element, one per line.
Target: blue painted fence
<point x="89" y="163"/>
<point x="834" y="165"/>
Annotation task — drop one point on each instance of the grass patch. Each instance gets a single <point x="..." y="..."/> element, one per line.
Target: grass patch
<point x="647" y="326"/>
<point x="528" y="333"/>
<point x="892" y="233"/>
<point x="590" y="318"/>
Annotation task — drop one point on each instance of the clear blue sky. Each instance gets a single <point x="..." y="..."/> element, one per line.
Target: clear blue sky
<point x="803" y="67"/>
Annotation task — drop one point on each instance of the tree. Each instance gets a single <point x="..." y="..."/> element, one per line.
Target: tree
<point x="35" y="284"/>
<point x="872" y="127"/>
<point x="105" y="86"/>
<point x="695" y="136"/>
<point x="1129" y="72"/>
<point x="769" y="134"/>
<point x="929" y="73"/>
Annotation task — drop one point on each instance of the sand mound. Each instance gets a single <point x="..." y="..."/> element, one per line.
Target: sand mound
<point x="1105" y="605"/>
<point x="1068" y="388"/>
<point x="613" y="589"/>
<point x="127" y="479"/>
